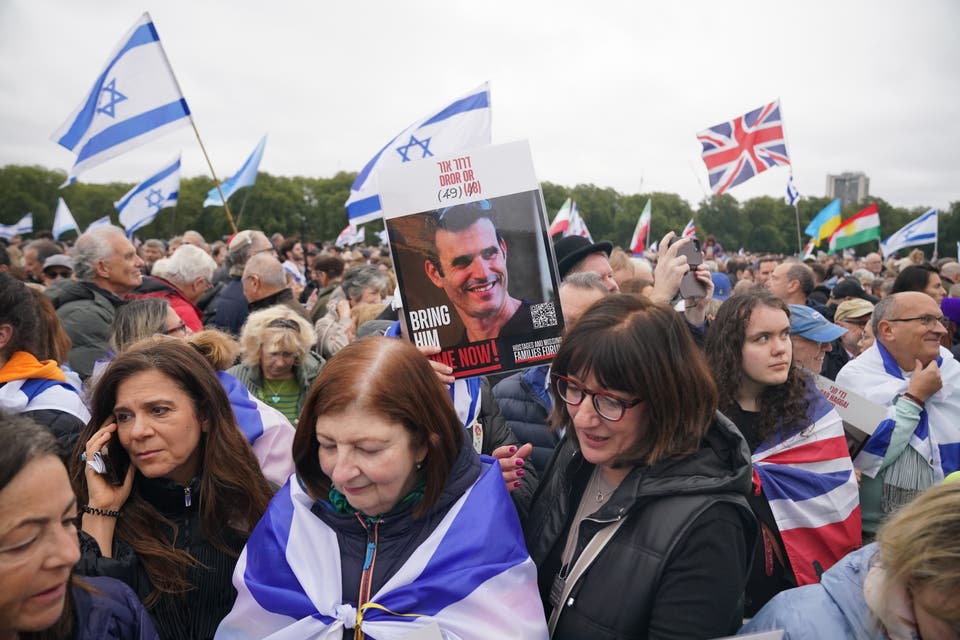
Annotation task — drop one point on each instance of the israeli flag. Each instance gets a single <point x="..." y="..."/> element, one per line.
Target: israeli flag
<point x="923" y="230"/>
<point x="140" y="206"/>
<point x="135" y="99"/>
<point x="793" y="194"/>
<point x="25" y="225"/>
<point x="472" y="576"/>
<point x="462" y="124"/>
<point x="246" y="177"/>
<point x="99" y="222"/>
<point x="63" y="220"/>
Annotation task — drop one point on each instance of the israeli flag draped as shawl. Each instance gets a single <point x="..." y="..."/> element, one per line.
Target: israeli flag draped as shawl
<point x="135" y="99"/>
<point x="472" y="575"/>
<point x="462" y="124"/>
<point x="876" y="376"/>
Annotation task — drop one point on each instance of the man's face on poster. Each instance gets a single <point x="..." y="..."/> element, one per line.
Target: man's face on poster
<point x="472" y="268"/>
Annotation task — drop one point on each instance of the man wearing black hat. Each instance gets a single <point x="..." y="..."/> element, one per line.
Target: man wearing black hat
<point x="576" y="254"/>
<point x="470" y="265"/>
<point x="849" y="289"/>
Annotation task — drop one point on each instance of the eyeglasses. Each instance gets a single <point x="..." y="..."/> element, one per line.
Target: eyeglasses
<point x="607" y="405"/>
<point x="179" y="330"/>
<point x="929" y="321"/>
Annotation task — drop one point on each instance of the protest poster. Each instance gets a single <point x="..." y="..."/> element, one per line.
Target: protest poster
<point x="860" y="416"/>
<point x="474" y="263"/>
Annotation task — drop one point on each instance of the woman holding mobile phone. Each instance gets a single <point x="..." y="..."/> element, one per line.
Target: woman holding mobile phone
<point x="173" y="523"/>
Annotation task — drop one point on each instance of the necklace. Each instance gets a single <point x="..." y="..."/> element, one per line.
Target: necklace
<point x="602" y="492"/>
<point x="275" y="391"/>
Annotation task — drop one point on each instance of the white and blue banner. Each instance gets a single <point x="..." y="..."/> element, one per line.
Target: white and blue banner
<point x="63" y="220"/>
<point x="140" y="206"/>
<point x="267" y="430"/>
<point x="39" y="394"/>
<point x="462" y="124"/>
<point x="24" y="225"/>
<point x="875" y="375"/>
<point x="472" y="576"/>
<point x="793" y="194"/>
<point x="245" y="177"/>
<point x="103" y="221"/>
<point x="923" y="230"/>
<point x="135" y="99"/>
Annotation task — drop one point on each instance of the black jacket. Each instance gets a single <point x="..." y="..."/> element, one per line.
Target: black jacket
<point x="106" y="609"/>
<point x="196" y="614"/>
<point x="525" y="402"/>
<point x="834" y="360"/>
<point x="678" y="565"/>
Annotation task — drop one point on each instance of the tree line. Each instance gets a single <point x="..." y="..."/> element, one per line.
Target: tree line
<point x="313" y="208"/>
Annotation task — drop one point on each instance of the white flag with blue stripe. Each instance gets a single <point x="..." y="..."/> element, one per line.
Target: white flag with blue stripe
<point x="24" y="225"/>
<point x="135" y="99"/>
<point x="103" y="221"/>
<point x="63" y="220"/>
<point x="923" y="230"/>
<point x="140" y="206"/>
<point x="472" y="575"/>
<point x="793" y="194"/>
<point x="246" y="177"/>
<point x="462" y="124"/>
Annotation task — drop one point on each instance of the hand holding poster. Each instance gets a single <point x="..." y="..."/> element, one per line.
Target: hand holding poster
<point x="473" y="260"/>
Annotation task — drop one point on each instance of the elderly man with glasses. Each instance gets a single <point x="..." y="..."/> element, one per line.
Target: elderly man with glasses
<point x="918" y="381"/>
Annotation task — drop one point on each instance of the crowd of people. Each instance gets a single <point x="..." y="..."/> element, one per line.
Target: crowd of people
<point x="237" y="441"/>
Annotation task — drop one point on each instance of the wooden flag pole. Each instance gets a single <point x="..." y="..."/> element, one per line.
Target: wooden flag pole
<point x="216" y="180"/>
<point x="796" y="211"/>
<point x="193" y="124"/>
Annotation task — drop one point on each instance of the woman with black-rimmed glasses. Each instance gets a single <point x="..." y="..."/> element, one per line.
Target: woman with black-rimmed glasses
<point x="640" y="527"/>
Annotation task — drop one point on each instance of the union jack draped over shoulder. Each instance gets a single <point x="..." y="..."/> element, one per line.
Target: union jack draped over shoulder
<point x="739" y="149"/>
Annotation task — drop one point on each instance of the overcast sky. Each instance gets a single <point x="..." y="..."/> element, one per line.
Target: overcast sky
<point x="609" y="93"/>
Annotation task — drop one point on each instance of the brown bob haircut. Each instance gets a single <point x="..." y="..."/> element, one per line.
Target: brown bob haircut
<point x="233" y="491"/>
<point x="642" y="350"/>
<point x="389" y="378"/>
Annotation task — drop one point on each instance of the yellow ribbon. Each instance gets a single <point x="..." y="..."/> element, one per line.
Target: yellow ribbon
<point x="359" y="635"/>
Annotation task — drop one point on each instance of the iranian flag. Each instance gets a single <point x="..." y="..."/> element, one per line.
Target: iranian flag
<point x="863" y="227"/>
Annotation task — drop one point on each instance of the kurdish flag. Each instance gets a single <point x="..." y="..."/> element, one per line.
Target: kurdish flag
<point x="863" y="227"/>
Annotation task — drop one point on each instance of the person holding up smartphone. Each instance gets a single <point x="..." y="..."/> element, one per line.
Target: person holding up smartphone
<point x="680" y="269"/>
<point x="168" y="487"/>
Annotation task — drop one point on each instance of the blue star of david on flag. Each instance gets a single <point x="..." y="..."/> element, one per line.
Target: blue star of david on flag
<point x="462" y="124"/>
<point x="142" y="203"/>
<point x="424" y="144"/>
<point x="154" y="198"/>
<point x="113" y="97"/>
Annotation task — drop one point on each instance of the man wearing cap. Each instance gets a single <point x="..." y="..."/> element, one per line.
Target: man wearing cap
<point x="55" y="268"/>
<point x="848" y="289"/>
<point x="470" y="265"/>
<point x="811" y="335"/>
<point x="918" y="380"/>
<point x="852" y="315"/>
<point x="576" y="254"/>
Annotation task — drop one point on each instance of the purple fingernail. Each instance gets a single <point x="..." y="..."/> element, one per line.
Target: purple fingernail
<point x="520" y="462"/>
<point x="516" y="485"/>
<point x="519" y="473"/>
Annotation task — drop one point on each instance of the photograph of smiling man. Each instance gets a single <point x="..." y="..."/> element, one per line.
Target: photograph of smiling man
<point x="476" y="276"/>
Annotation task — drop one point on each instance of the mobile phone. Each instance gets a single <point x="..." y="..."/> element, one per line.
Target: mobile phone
<point x="690" y="287"/>
<point x="116" y="462"/>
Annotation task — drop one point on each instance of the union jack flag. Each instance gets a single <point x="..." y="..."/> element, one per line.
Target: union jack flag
<point x="808" y="480"/>
<point x="737" y="150"/>
<point x="689" y="231"/>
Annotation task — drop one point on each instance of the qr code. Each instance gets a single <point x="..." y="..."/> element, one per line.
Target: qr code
<point x="544" y="315"/>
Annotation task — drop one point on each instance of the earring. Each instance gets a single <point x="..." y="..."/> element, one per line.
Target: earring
<point x="419" y="465"/>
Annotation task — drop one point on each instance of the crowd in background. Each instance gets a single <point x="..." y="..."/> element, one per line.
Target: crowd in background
<point x="675" y="472"/>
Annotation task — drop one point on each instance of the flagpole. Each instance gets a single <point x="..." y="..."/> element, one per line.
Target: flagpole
<point x="193" y="124"/>
<point x="786" y="146"/>
<point x="796" y="211"/>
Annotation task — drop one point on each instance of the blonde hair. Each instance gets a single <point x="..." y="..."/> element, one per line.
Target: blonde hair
<point x="920" y="544"/>
<point x="219" y="348"/>
<point x="258" y="334"/>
